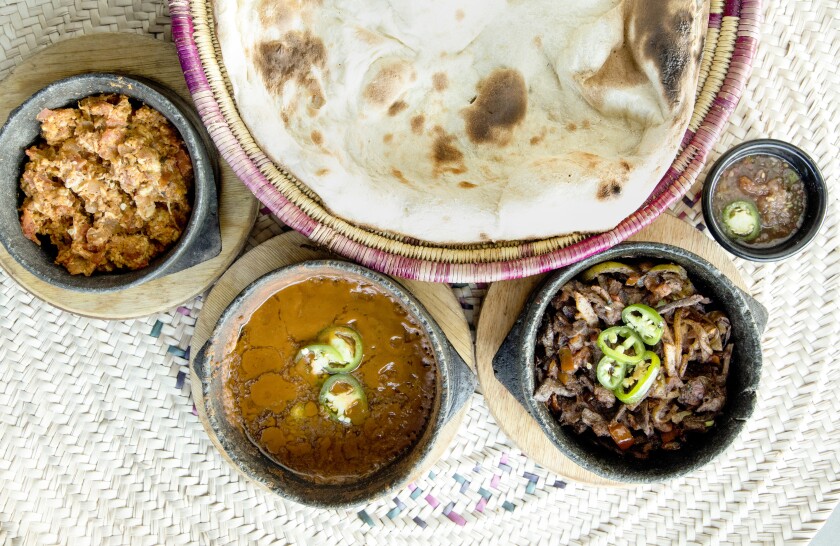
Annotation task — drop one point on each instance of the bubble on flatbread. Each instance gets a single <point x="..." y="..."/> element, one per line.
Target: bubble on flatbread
<point x="274" y="13"/>
<point x="388" y="82"/>
<point x="499" y="106"/>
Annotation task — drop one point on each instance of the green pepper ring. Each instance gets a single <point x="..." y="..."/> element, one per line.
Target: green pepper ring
<point x="607" y="267"/>
<point x="319" y="350"/>
<point x="356" y="391"/>
<point x="630" y="335"/>
<point x="648" y="323"/>
<point x="749" y="211"/>
<point x="643" y="385"/>
<point x="610" y="373"/>
<point x="335" y="336"/>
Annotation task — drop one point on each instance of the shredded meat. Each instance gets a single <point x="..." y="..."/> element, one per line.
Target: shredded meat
<point x="688" y="394"/>
<point x="684" y="302"/>
<point x="108" y="187"/>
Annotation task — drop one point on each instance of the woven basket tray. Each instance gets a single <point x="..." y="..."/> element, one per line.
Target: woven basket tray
<point x="729" y="49"/>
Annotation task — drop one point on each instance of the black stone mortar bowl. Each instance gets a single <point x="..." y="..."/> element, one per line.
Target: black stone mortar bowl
<point x="210" y="369"/>
<point x="513" y="365"/>
<point x="201" y="239"/>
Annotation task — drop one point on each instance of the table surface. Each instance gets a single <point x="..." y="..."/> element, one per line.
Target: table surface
<point x="99" y="443"/>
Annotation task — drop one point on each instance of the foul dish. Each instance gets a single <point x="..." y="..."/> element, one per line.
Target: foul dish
<point x="634" y="354"/>
<point x="332" y="379"/>
<point x="469" y="121"/>
<point x="108" y="187"/>
<point x="760" y="200"/>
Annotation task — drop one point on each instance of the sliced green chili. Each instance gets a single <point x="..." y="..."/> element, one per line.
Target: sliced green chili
<point x="645" y="380"/>
<point x="348" y="343"/>
<point x="607" y="267"/>
<point x="610" y="373"/>
<point x="741" y="220"/>
<point x="344" y="399"/>
<point x="611" y="344"/>
<point x="646" y="321"/>
<point x="321" y="357"/>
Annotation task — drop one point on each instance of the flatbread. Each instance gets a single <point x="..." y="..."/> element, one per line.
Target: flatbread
<point x="468" y="120"/>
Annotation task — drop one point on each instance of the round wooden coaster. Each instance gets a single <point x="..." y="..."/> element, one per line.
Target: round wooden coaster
<point x="136" y="55"/>
<point x="291" y="248"/>
<point x="502" y="305"/>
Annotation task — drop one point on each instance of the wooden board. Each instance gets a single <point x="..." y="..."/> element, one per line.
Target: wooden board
<point x="291" y="248"/>
<point x="502" y="305"/>
<point x="128" y="54"/>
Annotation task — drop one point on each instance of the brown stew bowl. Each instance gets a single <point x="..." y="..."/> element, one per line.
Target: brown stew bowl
<point x="513" y="366"/>
<point x="455" y="384"/>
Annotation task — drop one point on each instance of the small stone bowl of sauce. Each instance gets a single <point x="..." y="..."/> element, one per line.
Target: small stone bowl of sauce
<point x="764" y="200"/>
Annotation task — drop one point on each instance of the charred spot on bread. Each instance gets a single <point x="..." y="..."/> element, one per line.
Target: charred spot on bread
<point x="292" y="58"/>
<point x="446" y="156"/>
<point x="397" y="107"/>
<point x="440" y="81"/>
<point x="417" y="123"/>
<point x="666" y="45"/>
<point x="466" y="185"/>
<point x="399" y="175"/>
<point x="608" y="189"/>
<point x="317" y="137"/>
<point x="500" y="105"/>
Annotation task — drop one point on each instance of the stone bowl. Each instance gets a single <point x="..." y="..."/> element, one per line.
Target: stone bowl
<point x="513" y="366"/>
<point x="456" y="383"/>
<point x="201" y="239"/>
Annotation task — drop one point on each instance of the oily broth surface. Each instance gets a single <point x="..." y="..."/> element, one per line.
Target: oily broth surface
<point x="398" y="374"/>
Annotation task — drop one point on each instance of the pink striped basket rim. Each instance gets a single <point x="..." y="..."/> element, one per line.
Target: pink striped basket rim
<point x="673" y="185"/>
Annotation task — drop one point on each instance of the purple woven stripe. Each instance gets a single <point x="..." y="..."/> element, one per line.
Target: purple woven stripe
<point x="670" y="189"/>
<point x="732" y="8"/>
<point x="457" y="518"/>
<point x="715" y="20"/>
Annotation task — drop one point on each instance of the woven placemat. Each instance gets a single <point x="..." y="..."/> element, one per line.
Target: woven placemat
<point x="99" y="443"/>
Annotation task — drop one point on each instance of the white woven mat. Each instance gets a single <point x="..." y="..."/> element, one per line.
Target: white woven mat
<point x="99" y="443"/>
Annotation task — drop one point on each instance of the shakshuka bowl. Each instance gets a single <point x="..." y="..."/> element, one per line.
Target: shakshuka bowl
<point x="816" y="200"/>
<point x="201" y="238"/>
<point x="514" y="366"/>
<point x="455" y="382"/>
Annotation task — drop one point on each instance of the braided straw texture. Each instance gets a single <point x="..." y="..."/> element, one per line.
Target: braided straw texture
<point x="99" y="442"/>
